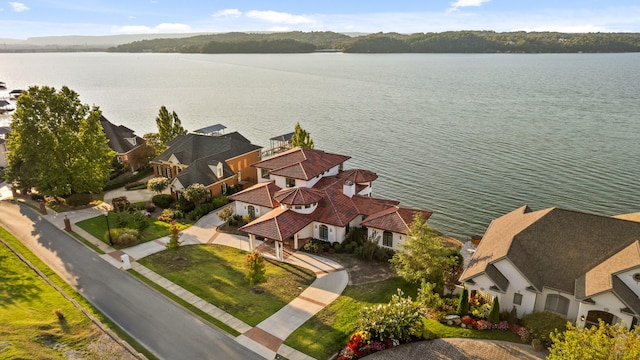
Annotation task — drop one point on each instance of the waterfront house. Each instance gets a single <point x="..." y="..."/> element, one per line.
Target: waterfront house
<point x="217" y="161"/>
<point x="305" y="193"/>
<point x="130" y="149"/>
<point x="582" y="266"/>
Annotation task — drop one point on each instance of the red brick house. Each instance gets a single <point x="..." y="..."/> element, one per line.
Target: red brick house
<point x="130" y="149"/>
<point x="217" y="161"/>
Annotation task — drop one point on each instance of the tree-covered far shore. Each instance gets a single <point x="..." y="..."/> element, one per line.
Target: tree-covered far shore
<point x="444" y="42"/>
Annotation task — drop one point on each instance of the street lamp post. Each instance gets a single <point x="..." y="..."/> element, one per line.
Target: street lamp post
<point x="106" y="217"/>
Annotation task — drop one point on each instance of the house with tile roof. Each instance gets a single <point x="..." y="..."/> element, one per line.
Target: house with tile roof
<point x="582" y="266"/>
<point x="130" y="149"/>
<point x="5" y="131"/>
<point x="217" y="161"/>
<point x="305" y="193"/>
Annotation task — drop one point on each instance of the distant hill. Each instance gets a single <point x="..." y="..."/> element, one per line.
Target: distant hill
<point x="79" y="42"/>
<point x="304" y="42"/>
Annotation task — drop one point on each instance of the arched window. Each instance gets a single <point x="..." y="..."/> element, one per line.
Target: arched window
<point x="324" y="232"/>
<point x="252" y="211"/>
<point x="387" y="239"/>
<point x="557" y="304"/>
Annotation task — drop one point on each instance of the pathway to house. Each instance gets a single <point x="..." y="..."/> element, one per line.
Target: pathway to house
<point x="268" y="336"/>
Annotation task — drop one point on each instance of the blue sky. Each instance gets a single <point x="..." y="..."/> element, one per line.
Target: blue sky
<point x="21" y="19"/>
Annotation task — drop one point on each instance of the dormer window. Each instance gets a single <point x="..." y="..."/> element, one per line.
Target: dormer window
<point x="219" y="170"/>
<point x="264" y="173"/>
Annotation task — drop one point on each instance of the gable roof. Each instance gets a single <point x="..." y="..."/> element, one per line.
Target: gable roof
<point x="395" y="219"/>
<point x="191" y="147"/>
<point x="260" y="194"/>
<point x="552" y="247"/>
<point x="118" y="135"/>
<point x="278" y="224"/>
<point x="301" y="163"/>
<point x="600" y="278"/>
<point x="203" y="171"/>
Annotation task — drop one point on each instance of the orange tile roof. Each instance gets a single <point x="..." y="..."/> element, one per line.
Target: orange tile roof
<point x="298" y="196"/>
<point x="278" y="224"/>
<point x="301" y="163"/>
<point x="395" y="219"/>
<point x="259" y="194"/>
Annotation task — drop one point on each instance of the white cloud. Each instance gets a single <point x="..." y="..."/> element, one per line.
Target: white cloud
<point x="160" y="28"/>
<point x="227" y="13"/>
<point x="279" y="17"/>
<point x="18" y="7"/>
<point x="467" y="3"/>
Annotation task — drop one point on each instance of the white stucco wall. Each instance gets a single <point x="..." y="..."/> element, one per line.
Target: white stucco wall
<point x="302" y="209"/>
<point x="517" y="284"/>
<point x="398" y="239"/>
<point x="242" y="208"/>
<point x="335" y="233"/>
<point x="627" y="278"/>
<point x="606" y="302"/>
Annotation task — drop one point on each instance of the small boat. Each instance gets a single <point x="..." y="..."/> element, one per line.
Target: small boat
<point x="3" y="86"/>
<point x="4" y="106"/>
<point x="14" y="94"/>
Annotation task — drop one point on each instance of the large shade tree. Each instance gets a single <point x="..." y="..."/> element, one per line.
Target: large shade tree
<point x="424" y="256"/>
<point x="169" y="125"/>
<point x="57" y="145"/>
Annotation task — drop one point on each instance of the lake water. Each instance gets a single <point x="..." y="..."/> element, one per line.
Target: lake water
<point x="469" y="137"/>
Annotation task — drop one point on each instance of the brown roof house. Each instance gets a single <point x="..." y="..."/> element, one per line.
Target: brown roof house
<point x="582" y="266"/>
<point x="217" y="161"/>
<point x="305" y="193"/>
<point x="130" y="148"/>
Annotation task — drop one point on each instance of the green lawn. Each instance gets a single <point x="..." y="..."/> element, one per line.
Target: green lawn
<point x="329" y="331"/>
<point x="97" y="226"/>
<point x="216" y="274"/>
<point x="28" y="305"/>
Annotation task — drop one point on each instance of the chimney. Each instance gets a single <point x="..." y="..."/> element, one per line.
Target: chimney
<point x="349" y="188"/>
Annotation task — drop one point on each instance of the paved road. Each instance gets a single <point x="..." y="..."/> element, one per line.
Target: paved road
<point x="161" y="326"/>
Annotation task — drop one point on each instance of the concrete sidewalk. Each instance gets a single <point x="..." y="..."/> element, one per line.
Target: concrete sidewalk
<point x="266" y="339"/>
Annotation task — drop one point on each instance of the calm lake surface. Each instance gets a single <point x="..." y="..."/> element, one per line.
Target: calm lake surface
<point x="469" y="137"/>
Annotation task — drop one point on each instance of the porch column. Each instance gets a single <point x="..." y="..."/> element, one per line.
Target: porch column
<point x="278" y="246"/>
<point x="295" y="241"/>
<point x="251" y="238"/>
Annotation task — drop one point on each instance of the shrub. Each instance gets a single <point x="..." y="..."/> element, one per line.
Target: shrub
<point x="36" y="197"/>
<point x="79" y="199"/>
<point x="366" y="251"/>
<point x="512" y="318"/>
<point x="158" y="184"/>
<point x="127" y="237"/>
<point x="542" y="324"/>
<point x="184" y="205"/>
<point x="174" y="243"/>
<point x="428" y="298"/>
<point x="246" y="218"/>
<point x="396" y="320"/>
<point x="136" y="177"/>
<point x="226" y="214"/>
<point x="163" y="201"/>
<point x="381" y="254"/>
<point x="168" y="215"/>
<point x="196" y="193"/>
<point x="312" y="247"/>
<point x="135" y="220"/>
<point x="349" y="248"/>
<point x="200" y="211"/>
<point x="139" y="185"/>
<point x="356" y="235"/>
<point x="219" y="201"/>
<point x="463" y="304"/>
<point x="494" y="313"/>
<point x="337" y="247"/>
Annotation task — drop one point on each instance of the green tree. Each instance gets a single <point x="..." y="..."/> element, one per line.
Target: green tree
<point x="463" y="304"/>
<point x="169" y="125"/>
<point x="424" y="257"/>
<point x="226" y="214"/>
<point x="301" y="138"/>
<point x="174" y="243"/>
<point x="57" y="145"/>
<point x="494" y="313"/>
<point x="158" y="184"/>
<point x="597" y="342"/>
<point x="196" y="193"/>
<point x="154" y="145"/>
<point x="255" y="268"/>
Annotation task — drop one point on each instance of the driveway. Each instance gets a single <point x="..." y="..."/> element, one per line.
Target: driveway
<point x="459" y="349"/>
<point x="166" y="329"/>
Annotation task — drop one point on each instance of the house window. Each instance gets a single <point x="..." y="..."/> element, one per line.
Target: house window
<point x="291" y="182"/>
<point x="252" y="211"/>
<point x="224" y="188"/>
<point x="264" y="173"/>
<point x="168" y="173"/>
<point x="387" y="239"/>
<point x="517" y="299"/>
<point x="557" y="304"/>
<point x="159" y="172"/>
<point x="324" y="232"/>
<point x="239" y="176"/>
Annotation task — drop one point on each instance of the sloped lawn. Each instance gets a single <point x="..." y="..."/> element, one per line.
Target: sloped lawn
<point x="216" y="274"/>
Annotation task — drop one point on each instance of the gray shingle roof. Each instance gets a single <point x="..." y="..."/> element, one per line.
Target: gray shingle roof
<point x="118" y="135"/>
<point x="191" y="147"/>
